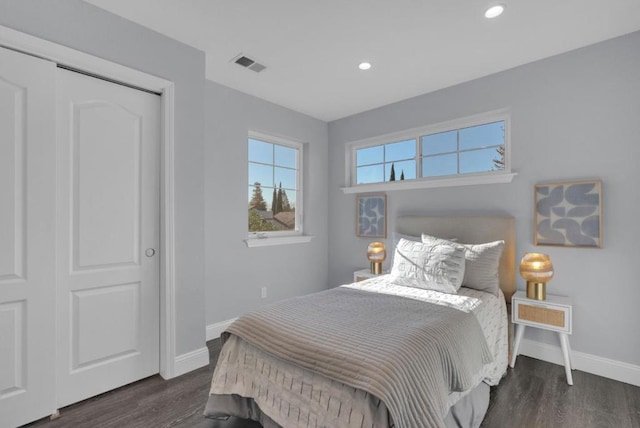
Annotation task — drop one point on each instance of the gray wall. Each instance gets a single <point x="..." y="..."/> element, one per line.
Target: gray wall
<point x="89" y="29"/>
<point x="235" y="273"/>
<point x="574" y="116"/>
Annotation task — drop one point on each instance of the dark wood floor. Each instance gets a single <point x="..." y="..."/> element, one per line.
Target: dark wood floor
<point x="535" y="394"/>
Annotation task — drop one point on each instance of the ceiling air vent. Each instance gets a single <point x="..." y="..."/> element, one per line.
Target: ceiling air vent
<point x="249" y="63"/>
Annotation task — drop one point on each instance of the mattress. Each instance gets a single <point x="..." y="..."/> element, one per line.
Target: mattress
<point x="293" y="396"/>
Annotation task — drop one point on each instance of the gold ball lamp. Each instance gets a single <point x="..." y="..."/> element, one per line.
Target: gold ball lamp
<point x="537" y="270"/>
<point x="376" y="253"/>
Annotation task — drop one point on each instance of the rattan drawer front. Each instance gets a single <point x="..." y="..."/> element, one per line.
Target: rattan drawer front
<point x="541" y="315"/>
<point x="552" y="314"/>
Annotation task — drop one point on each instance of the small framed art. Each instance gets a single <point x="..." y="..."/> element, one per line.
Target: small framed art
<point x="371" y="216"/>
<point x="568" y="214"/>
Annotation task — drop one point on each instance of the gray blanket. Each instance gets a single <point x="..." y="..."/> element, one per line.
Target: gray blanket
<point x="408" y="353"/>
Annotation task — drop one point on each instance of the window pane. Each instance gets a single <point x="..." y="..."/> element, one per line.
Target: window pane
<point x="408" y="167"/>
<point x="490" y="134"/>
<point x="268" y="220"/>
<point x="286" y="177"/>
<point x="285" y="156"/>
<point x="433" y="166"/>
<point x="259" y="151"/>
<point x="370" y="155"/>
<point x="443" y="142"/>
<point x="400" y="151"/>
<point x="262" y="174"/>
<point x="370" y="174"/>
<point x="483" y="160"/>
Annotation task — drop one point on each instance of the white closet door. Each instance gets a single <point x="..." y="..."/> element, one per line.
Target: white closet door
<point x="108" y="236"/>
<point x="27" y="238"/>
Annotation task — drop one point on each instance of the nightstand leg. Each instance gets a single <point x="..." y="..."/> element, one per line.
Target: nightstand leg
<point x="516" y="345"/>
<point x="573" y="367"/>
<point x="566" y="352"/>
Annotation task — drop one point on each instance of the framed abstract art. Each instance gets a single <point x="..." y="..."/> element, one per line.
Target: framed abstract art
<point x="568" y="214"/>
<point x="371" y="216"/>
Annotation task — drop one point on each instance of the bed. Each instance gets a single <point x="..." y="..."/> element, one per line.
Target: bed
<point x="377" y="353"/>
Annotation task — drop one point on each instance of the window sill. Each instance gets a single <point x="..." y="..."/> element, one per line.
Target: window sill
<point x="280" y="240"/>
<point x="431" y="183"/>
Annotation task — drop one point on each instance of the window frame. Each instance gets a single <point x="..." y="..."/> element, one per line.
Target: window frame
<point x="256" y="239"/>
<point x="502" y="176"/>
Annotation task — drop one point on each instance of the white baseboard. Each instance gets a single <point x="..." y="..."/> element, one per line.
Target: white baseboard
<point x="605" y="367"/>
<point x="214" y="330"/>
<point x="191" y="361"/>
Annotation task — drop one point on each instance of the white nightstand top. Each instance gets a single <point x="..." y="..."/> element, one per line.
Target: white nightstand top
<point x="367" y="271"/>
<point x="550" y="300"/>
<point x="362" y="274"/>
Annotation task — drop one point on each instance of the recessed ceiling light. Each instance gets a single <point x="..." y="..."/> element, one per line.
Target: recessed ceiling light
<point x="494" y="11"/>
<point x="364" y="65"/>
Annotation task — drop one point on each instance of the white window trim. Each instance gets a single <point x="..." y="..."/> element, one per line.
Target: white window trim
<point x="263" y="239"/>
<point x="504" y="176"/>
<point x="274" y="240"/>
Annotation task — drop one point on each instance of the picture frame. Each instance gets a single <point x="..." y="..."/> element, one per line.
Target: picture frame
<point x="568" y="214"/>
<point x="371" y="215"/>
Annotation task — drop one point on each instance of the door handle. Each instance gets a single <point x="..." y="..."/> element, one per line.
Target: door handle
<point x="150" y="252"/>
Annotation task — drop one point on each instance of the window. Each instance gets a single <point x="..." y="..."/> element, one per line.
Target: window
<point x="386" y="162"/>
<point x="470" y="151"/>
<point x="274" y="191"/>
<point x="474" y="149"/>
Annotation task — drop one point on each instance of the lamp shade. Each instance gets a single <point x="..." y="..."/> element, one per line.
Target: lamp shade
<point x="536" y="267"/>
<point x="376" y="252"/>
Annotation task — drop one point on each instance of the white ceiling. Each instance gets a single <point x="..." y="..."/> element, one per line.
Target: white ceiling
<point x="312" y="48"/>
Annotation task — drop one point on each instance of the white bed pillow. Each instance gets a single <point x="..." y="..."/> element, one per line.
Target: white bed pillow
<point x="482" y="263"/>
<point x="395" y="238"/>
<point x="438" y="267"/>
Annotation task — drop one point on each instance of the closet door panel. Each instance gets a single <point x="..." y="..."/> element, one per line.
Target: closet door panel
<point x="108" y="228"/>
<point x="27" y="238"/>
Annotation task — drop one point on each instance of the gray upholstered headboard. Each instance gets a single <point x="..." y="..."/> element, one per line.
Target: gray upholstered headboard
<point x="471" y="230"/>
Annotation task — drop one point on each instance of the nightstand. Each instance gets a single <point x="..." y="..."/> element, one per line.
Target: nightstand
<point x="362" y="274"/>
<point x="553" y="314"/>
